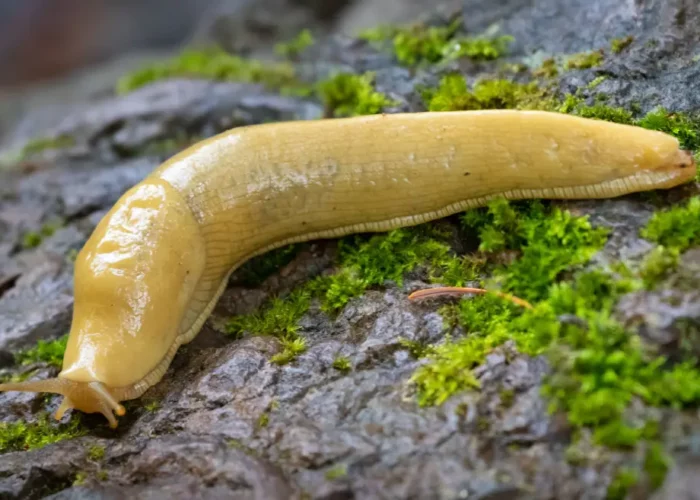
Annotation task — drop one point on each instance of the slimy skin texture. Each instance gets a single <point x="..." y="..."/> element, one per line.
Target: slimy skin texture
<point x="152" y="271"/>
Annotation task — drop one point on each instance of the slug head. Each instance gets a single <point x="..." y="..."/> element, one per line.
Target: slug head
<point x="134" y="281"/>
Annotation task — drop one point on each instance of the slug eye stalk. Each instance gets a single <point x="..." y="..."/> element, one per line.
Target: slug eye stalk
<point x="89" y="397"/>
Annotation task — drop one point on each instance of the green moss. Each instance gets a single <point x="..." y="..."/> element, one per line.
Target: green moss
<point x="41" y="144"/>
<point x="656" y="464"/>
<point x="20" y="436"/>
<point x="420" y="44"/>
<point x="621" y="483"/>
<point x="50" y="352"/>
<point x="263" y="420"/>
<point x="584" y="60"/>
<point x="507" y="397"/>
<point x="620" y="44"/>
<point x="33" y="239"/>
<point x="596" y="81"/>
<point x="575" y="105"/>
<point x="279" y="318"/>
<point x="295" y="47"/>
<point x="548" y="69"/>
<point x="212" y="64"/>
<point x="676" y="228"/>
<point x="658" y="264"/>
<point x="679" y="125"/>
<point x="479" y="49"/>
<point x="342" y="364"/>
<point x="152" y="406"/>
<point x="96" y="453"/>
<point x="337" y="472"/>
<point x="415" y="348"/>
<point x="549" y="241"/>
<point x="291" y="348"/>
<point x="346" y="94"/>
<point x="80" y="479"/>
<point x="453" y="94"/>
<point x="367" y="262"/>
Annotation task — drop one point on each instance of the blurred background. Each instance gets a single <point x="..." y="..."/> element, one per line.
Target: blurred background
<point x="43" y="39"/>
<point x="64" y="51"/>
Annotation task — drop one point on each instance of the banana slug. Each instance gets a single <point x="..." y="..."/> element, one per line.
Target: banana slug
<point x="155" y="266"/>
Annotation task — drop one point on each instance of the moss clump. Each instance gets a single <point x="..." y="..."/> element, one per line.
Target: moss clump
<point x="679" y="125"/>
<point x="346" y="94"/>
<point x="49" y="352"/>
<point x="453" y="94"/>
<point x="548" y="69"/>
<point x="620" y="44"/>
<point x="415" y="348"/>
<point x="291" y="348"/>
<point x="33" y="239"/>
<point x="279" y="319"/>
<point x="621" y="483"/>
<point x="599" y="111"/>
<point x="293" y="48"/>
<point x="263" y="420"/>
<point x="213" y="64"/>
<point x="658" y="264"/>
<point x="507" y="397"/>
<point x="41" y="144"/>
<point x="152" y="406"/>
<point x="656" y="464"/>
<point x="367" y="262"/>
<point x="419" y="44"/>
<point x="337" y="472"/>
<point x="96" y="453"/>
<point x="584" y="60"/>
<point x="549" y="242"/>
<point x="677" y="228"/>
<point x="342" y="364"/>
<point x="21" y="436"/>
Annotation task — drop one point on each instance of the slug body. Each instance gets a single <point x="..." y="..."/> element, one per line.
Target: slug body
<point x="155" y="266"/>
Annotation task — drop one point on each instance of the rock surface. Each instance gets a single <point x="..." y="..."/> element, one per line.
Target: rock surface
<point x="227" y="423"/>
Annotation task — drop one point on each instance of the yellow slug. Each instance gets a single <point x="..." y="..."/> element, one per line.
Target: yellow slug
<point x="150" y="274"/>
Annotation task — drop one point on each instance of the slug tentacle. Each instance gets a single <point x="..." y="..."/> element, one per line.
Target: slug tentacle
<point x="89" y="397"/>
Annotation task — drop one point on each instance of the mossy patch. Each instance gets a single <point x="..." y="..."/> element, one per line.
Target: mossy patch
<point x="453" y="94"/>
<point x="337" y="472"/>
<point x="278" y="319"/>
<point x="584" y="60"/>
<point x="347" y="94"/>
<point x="215" y="64"/>
<point x="620" y="44"/>
<point x="22" y="436"/>
<point x="420" y="44"/>
<point x="293" y="48"/>
<point x="50" y="352"/>
<point x="96" y="453"/>
<point x="342" y="364"/>
<point x="33" y="239"/>
<point x="41" y="144"/>
<point x="676" y="228"/>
